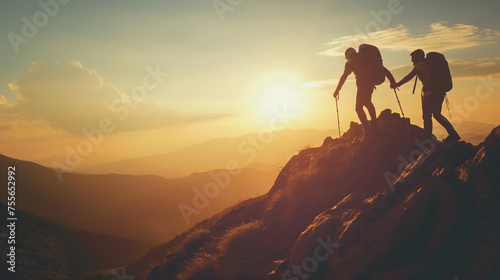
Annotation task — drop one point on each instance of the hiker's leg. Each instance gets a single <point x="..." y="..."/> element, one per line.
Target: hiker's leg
<point x="360" y="103"/>
<point x="361" y="112"/>
<point x="427" y="115"/>
<point x="371" y="108"/>
<point x="438" y="104"/>
<point x="369" y="104"/>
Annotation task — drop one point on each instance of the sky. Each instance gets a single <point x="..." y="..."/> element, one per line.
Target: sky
<point x="136" y="78"/>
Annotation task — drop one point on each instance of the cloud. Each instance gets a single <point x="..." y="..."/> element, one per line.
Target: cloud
<point x="72" y="97"/>
<point x="461" y="69"/>
<point x="13" y="126"/>
<point x="320" y="83"/>
<point x="441" y="38"/>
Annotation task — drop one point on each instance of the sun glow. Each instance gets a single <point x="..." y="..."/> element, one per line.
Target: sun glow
<point x="280" y="97"/>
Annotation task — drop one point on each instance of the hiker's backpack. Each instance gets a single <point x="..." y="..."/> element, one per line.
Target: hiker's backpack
<point x="370" y="66"/>
<point x="440" y="72"/>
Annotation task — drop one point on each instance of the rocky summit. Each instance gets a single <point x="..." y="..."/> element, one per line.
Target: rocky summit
<point x="388" y="205"/>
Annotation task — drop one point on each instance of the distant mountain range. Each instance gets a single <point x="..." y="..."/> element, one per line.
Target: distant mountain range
<point x="472" y="132"/>
<point x="143" y="208"/>
<point x="272" y="148"/>
<point x="246" y="150"/>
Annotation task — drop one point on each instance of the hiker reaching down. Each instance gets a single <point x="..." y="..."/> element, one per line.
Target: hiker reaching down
<point x="435" y="76"/>
<point x="369" y="72"/>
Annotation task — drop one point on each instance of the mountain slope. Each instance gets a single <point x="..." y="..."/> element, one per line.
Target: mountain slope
<point x="388" y="206"/>
<point x="45" y="250"/>
<point x="140" y="208"/>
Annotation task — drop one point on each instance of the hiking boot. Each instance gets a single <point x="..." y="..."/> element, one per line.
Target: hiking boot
<point x="374" y="126"/>
<point x="451" y="138"/>
<point x="366" y="127"/>
<point x="365" y="134"/>
<point x="369" y="131"/>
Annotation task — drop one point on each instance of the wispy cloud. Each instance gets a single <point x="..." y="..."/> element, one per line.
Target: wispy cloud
<point x="462" y="69"/>
<point x="320" y="83"/>
<point x="72" y="97"/>
<point x="441" y="38"/>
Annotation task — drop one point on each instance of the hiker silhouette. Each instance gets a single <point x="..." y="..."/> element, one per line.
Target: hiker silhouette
<point x="369" y="72"/>
<point x="435" y="76"/>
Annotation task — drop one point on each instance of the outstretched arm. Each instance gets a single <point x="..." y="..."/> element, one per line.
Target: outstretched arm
<point x="389" y="76"/>
<point x="347" y="72"/>
<point x="407" y="78"/>
<point x="341" y="83"/>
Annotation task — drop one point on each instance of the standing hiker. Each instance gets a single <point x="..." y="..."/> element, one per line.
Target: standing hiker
<point x="435" y="76"/>
<point x="369" y="72"/>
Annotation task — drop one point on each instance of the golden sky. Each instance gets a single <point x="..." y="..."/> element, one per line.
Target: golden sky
<point x="156" y="76"/>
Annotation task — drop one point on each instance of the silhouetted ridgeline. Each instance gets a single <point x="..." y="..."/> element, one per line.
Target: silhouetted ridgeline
<point x="335" y="212"/>
<point x="348" y="210"/>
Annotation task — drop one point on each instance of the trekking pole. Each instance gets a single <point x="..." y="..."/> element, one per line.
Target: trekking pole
<point x="415" y="85"/>
<point x="407" y="126"/>
<point x="337" y="105"/>
<point x="448" y="105"/>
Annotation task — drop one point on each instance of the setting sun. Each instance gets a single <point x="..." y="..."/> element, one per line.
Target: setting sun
<point x="280" y="96"/>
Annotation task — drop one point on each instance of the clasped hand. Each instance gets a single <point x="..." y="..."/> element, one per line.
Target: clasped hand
<point x="394" y="85"/>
